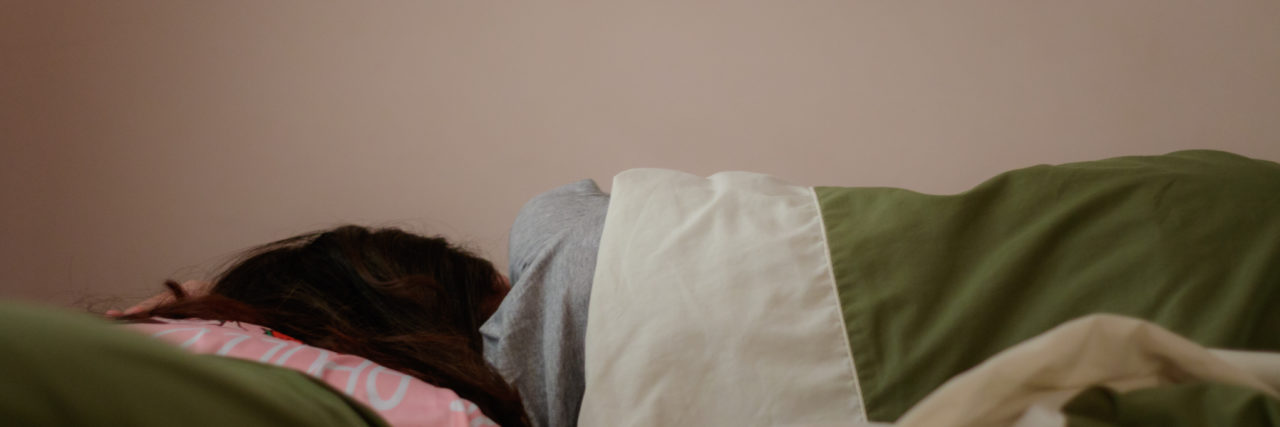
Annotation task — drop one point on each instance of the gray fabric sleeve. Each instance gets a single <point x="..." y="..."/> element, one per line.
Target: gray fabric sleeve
<point x="535" y="339"/>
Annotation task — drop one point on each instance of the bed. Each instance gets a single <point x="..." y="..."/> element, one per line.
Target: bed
<point x="1126" y="291"/>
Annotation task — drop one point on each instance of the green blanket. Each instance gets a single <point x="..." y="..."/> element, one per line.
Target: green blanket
<point x="741" y="299"/>
<point x="1181" y="405"/>
<point x="932" y="285"/>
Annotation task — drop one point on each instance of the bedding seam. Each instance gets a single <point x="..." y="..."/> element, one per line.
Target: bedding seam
<point x="835" y="290"/>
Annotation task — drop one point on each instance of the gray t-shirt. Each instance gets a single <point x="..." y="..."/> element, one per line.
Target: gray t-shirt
<point x="535" y="339"/>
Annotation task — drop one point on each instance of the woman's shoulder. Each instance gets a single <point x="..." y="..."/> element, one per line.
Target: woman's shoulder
<point x="573" y="213"/>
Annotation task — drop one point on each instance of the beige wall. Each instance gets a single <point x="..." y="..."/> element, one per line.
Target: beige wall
<point x="151" y="139"/>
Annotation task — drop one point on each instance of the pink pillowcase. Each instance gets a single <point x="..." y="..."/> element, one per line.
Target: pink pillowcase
<point x="400" y="399"/>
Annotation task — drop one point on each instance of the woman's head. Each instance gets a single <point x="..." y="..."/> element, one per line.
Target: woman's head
<point x="408" y="302"/>
<point x="385" y="280"/>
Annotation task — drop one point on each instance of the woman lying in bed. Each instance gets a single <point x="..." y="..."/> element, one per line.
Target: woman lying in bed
<point x="388" y="320"/>
<point x="1187" y="241"/>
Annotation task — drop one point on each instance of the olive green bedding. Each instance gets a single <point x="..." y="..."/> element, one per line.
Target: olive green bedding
<point x="742" y="299"/>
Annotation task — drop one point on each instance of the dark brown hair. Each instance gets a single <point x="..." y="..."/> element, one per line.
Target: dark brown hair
<point x="407" y="302"/>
